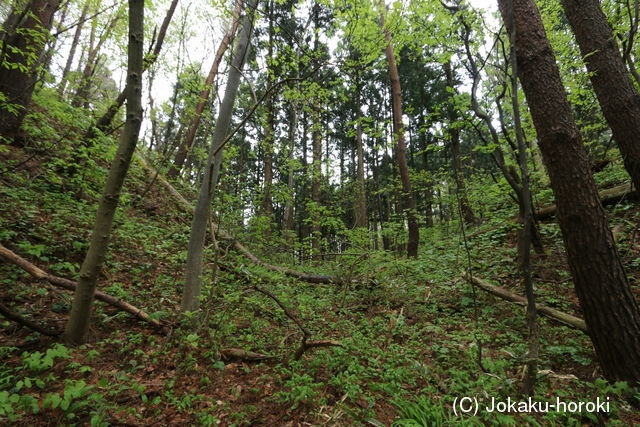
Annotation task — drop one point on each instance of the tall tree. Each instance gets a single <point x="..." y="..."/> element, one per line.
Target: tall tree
<point x="25" y="34"/>
<point x="454" y="140"/>
<point x="360" y="208"/>
<point x="186" y="144"/>
<point x="609" y="308"/>
<point x="72" y="50"/>
<point x="193" y="269"/>
<point x="618" y="97"/>
<point x="408" y="197"/>
<point x="79" y="319"/>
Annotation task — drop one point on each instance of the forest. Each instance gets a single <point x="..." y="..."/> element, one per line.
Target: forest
<point x="319" y="212"/>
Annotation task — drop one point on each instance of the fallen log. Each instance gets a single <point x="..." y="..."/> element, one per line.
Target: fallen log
<point x="607" y="197"/>
<point x="552" y="313"/>
<point x="61" y="282"/>
<point x="4" y="310"/>
<point x="187" y="207"/>
<point x="229" y="354"/>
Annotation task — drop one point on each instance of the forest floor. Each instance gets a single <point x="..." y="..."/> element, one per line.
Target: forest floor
<point x="410" y="330"/>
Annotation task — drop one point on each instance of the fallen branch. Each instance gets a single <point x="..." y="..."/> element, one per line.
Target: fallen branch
<point x="305" y="344"/>
<point x="187" y="207"/>
<point x="552" y="313"/>
<point x="607" y="197"/>
<point x="4" y="310"/>
<point x="61" y="282"/>
<point x="243" y="355"/>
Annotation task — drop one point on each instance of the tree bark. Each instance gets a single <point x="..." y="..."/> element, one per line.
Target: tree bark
<point x="409" y="200"/>
<point x="526" y="233"/>
<point x="17" y="82"/>
<point x="611" y="312"/>
<point x="187" y="143"/>
<point x="193" y="270"/>
<point x="79" y="320"/>
<point x="614" y="88"/>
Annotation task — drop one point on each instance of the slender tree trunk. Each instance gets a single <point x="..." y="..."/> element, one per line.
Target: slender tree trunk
<point x="193" y="271"/>
<point x="105" y="120"/>
<point x="614" y="88"/>
<point x="398" y="129"/>
<point x="186" y="144"/>
<point x="17" y="82"/>
<point x="528" y="221"/>
<point x="609" y="308"/>
<point x="316" y="180"/>
<point x="45" y="59"/>
<point x="84" y="87"/>
<point x="266" y="207"/>
<point x="72" y="50"/>
<point x="361" y="199"/>
<point x="454" y="139"/>
<point x="79" y="319"/>
<point x="289" y="219"/>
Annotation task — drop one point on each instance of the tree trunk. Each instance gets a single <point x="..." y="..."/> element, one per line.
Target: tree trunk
<point x="454" y="139"/>
<point x="361" y="199"/>
<point x="105" y="120"/>
<point x="609" y="308"/>
<point x="193" y="270"/>
<point x="289" y="220"/>
<point x="316" y="180"/>
<point x="16" y="84"/>
<point x="614" y="88"/>
<point x="526" y="234"/>
<point x="266" y="207"/>
<point x="398" y="129"/>
<point x="72" y="50"/>
<point x="84" y="87"/>
<point x="187" y="143"/>
<point x="78" y="324"/>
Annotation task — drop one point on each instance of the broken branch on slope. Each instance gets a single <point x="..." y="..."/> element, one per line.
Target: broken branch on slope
<point x="61" y="282"/>
<point x="6" y="312"/>
<point x="186" y="206"/>
<point x="552" y="313"/>
<point x="608" y="196"/>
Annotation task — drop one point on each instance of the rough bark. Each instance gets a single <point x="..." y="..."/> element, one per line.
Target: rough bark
<point x="17" y="82"/>
<point x="613" y="86"/>
<point x="78" y="325"/>
<point x="186" y="144"/>
<point x="193" y="269"/>
<point x="611" y="312"/>
<point x="408" y="198"/>
<point x="607" y="197"/>
<point x="526" y="233"/>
